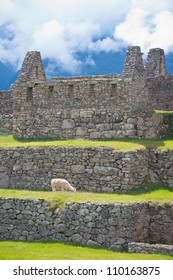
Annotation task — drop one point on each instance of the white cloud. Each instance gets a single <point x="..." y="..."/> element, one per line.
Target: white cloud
<point x="89" y="61"/>
<point x="61" y="29"/>
<point x="107" y="44"/>
<point x="148" y="24"/>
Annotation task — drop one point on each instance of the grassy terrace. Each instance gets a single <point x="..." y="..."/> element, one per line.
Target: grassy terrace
<point x="156" y="193"/>
<point x="122" y="144"/>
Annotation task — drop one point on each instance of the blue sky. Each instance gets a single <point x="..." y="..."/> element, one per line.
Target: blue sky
<point x="60" y="29"/>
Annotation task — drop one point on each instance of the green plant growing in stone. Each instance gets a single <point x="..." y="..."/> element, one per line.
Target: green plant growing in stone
<point x="56" y="204"/>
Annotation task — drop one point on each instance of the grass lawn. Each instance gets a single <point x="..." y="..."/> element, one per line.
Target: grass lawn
<point x="16" y="250"/>
<point x="121" y="144"/>
<point x="156" y="193"/>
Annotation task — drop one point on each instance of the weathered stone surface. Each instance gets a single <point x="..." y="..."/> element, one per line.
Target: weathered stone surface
<point x="76" y="238"/>
<point x="74" y="113"/>
<point x="86" y="114"/>
<point x="78" y="169"/>
<point x="81" y="132"/>
<point x="104" y="170"/>
<point x="4" y="180"/>
<point x="136" y="247"/>
<point x="104" y="106"/>
<point x="98" y="225"/>
<point x="68" y="123"/>
<point x="92" y="169"/>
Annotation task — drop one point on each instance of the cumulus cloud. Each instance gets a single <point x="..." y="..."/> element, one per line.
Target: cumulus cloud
<point x="148" y="24"/>
<point x="62" y="29"/>
<point x="59" y="29"/>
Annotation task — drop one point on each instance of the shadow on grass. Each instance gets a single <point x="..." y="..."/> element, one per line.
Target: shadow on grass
<point x="45" y="139"/>
<point x="147" y="188"/>
<point x="147" y="143"/>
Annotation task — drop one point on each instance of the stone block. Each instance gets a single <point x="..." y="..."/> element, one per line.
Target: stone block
<point x="77" y="169"/>
<point x="92" y="243"/>
<point x="61" y="228"/>
<point x="105" y="170"/>
<point x="107" y="134"/>
<point x="81" y="132"/>
<point x="131" y="121"/>
<point x="4" y="180"/>
<point x="68" y="123"/>
<point x="76" y="238"/>
<point x="95" y="135"/>
<point x="27" y="166"/>
<point x="129" y="126"/>
<point x="74" y="113"/>
<point x="17" y="167"/>
<point x="86" y="114"/>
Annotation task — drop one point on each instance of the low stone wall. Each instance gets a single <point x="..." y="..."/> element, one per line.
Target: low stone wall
<point x="161" y="224"/>
<point x="110" y="226"/>
<point x="147" y="248"/>
<point x="92" y="169"/>
<point x="160" y="163"/>
<point x="99" y="225"/>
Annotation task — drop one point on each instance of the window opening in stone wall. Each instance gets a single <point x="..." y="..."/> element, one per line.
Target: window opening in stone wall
<point x="29" y="94"/>
<point x="92" y="89"/>
<point x="113" y="89"/>
<point x="50" y="91"/>
<point x="70" y="90"/>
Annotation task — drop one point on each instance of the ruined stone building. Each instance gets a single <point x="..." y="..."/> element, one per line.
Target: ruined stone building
<point x="91" y="107"/>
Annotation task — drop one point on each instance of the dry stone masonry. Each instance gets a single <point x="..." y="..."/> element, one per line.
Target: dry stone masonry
<point x="110" y="226"/>
<point x="90" y="169"/>
<point x="95" y="107"/>
<point x="6" y="112"/>
<point x="137" y="247"/>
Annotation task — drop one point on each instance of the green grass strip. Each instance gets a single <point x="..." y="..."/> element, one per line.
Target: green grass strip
<point x="156" y="193"/>
<point x="163" y="112"/>
<point x="121" y="144"/>
<point x="15" y="250"/>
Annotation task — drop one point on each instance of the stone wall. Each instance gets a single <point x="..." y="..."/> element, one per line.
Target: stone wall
<point x="99" y="225"/>
<point x="161" y="224"/>
<point x="96" y="108"/>
<point x="92" y="169"/>
<point x="6" y="124"/>
<point x="146" y="248"/>
<point x="160" y="91"/>
<point x="160" y="162"/>
<point x="6" y="102"/>
<point x="156" y="64"/>
<point x="32" y="68"/>
<point x="6" y="112"/>
<point x="110" y="226"/>
<point x="133" y="67"/>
